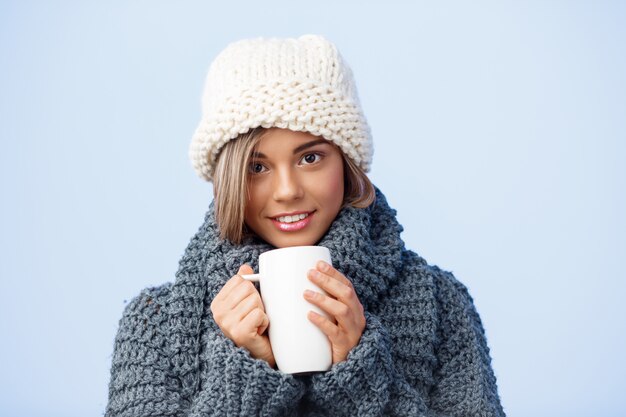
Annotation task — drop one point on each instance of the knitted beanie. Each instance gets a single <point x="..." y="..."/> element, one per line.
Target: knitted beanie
<point x="299" y="84"/>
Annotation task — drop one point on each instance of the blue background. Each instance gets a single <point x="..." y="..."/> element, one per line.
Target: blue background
<point x="499" y="136"/>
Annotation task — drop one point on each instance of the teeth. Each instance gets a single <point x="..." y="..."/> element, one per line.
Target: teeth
<point x="291" y="219"/>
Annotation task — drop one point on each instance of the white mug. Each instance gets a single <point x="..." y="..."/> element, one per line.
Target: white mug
<point x="299" y="346"/>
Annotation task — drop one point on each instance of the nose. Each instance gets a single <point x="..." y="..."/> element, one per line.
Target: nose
<point x="287" y="186"/>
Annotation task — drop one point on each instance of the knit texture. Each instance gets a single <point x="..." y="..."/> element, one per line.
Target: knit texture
<point x="299" y="84"/>
<point x="423" y="351"/>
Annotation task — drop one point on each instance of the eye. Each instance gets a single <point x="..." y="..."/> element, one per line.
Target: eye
<point x="311" y="158"/>
<point x="256" y="168"/>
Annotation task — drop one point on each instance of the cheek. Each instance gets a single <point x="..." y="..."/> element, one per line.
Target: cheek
<point x="253" y="201"/>
<point x="248" y="216"/>
<point x="336" y="187"/>
<point x="334" y="184"/>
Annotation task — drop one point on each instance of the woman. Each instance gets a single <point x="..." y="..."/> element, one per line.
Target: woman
<point x="286" y="145"/>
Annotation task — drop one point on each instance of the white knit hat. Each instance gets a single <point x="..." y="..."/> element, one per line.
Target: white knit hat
<point x="299" y="84"/>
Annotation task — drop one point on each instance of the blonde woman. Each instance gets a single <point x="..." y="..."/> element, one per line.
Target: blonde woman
<point x="287" y="147"/>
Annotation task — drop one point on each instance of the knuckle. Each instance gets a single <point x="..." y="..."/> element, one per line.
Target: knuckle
<point x="325" y="279"/>
<point x="242" y="293"/>
<point x="225" y="321"/>
<point x="320" y="278"/>
<point x="347" y="293"/>
<point x="256" y="313"/>
<point x="344" y="311"/>
<point x="248" y="287"/>
<point x="217" y="312"/>
<point x="259" y="304"/>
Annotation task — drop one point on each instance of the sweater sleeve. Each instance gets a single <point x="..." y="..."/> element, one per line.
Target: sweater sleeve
<point x="139" y="383"/>
<point x="368" y="382"/>
<point x="143" y="384"/>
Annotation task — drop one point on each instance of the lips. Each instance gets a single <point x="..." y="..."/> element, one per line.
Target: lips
<point x="291" y="222"/>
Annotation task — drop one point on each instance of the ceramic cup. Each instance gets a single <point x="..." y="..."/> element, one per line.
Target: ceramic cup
<point x="299" y="346"/>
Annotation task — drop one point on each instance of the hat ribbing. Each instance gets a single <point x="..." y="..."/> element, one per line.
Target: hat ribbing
<point x="299" y="84"/>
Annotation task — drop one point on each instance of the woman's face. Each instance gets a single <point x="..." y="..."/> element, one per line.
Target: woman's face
<point x="295" y="188"/>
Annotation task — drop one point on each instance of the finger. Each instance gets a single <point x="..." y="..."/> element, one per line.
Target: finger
<point x="239" y="293"/>
<point x="335" y="308"/>
<point x="334" y="287"/>
<point x="249" y="287"/>
<point x="247" y="305"/>
<point x="328" y="269"/>
<point x="253" y="320"/>
<point x="233" y="282"/>
<point x="330" y="329"/>
<point x="245" y="269"/>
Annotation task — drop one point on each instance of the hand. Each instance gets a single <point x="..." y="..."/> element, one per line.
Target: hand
<point x="342" y="304"/>
<point x="239" y="312"/>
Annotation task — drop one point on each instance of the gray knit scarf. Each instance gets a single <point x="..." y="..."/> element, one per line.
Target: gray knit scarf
<point x="365" y="245"/>
<point x="423" y="351"/>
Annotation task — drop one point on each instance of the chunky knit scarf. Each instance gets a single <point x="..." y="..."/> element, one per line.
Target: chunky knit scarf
<point x="423" y="351"/>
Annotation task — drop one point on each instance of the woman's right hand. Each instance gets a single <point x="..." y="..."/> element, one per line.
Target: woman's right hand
<point x="239" y="312"/>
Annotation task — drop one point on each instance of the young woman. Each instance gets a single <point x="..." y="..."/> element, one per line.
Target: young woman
<point x="285" y="143"/>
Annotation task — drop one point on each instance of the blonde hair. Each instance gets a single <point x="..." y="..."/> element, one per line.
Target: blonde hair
<point x="230" y="184"/>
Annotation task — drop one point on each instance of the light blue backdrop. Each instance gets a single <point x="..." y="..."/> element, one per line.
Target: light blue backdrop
<point x="499" y="132"/>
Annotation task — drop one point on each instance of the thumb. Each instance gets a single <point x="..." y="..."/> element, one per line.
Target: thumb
<point x="245" y="269"/>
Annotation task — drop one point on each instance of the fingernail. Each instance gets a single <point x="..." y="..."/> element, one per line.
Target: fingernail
<point x="313" y="273"/>
<point x="309" y="294"/>
<point x="322" y="266"/>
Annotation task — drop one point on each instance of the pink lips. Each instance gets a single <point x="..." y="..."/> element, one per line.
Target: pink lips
<point x="295" y="226"/>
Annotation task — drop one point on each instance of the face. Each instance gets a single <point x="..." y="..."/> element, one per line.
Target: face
<point x="295" y="188"/>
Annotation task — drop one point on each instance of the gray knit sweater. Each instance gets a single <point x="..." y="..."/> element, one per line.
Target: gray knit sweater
<point x="423" y="351"/>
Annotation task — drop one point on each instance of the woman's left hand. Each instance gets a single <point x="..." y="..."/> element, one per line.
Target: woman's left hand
<point x="342" y="304"/>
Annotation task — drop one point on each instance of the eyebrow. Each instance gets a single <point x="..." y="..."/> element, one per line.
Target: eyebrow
<point x="298" y="149"/>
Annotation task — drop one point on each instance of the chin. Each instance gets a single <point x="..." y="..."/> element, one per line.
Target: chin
<point x="286" y="241"/>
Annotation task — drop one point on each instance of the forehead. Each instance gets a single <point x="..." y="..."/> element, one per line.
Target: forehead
<point x="277" y="141"/>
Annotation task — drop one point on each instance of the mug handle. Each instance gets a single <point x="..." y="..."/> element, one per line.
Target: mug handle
<point x="251" y="277"/>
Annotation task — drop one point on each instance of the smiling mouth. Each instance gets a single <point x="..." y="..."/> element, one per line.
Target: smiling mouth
<point x="292" y="219"/>
<point x="292" y="223"/>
